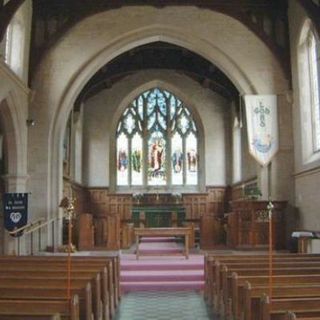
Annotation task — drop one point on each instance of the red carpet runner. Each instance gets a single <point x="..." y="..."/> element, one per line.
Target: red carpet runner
<point x="161" y="267"/>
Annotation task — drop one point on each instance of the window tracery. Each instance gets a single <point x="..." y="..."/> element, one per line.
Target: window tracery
<point x="157" y="142"/>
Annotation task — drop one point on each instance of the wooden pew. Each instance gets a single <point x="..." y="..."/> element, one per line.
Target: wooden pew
<point x="221" y="267"/>
<point x="292" y="316"/>
<point x="277" y="309"/>
<point x="82" y="271"/>
<point x="281" y="266"/>
<point x="226" y="292"/>
<point x="238" y="282"/>
<point x="223" y="271"/>
<point x="93" y="277"/>
<point x="76" y="285"/>
<point x="112" y="261"/>
<point x="214" y="262"/>
<point x="67" y="309"/>
<point x="249" y="302"/>
<point x="92" y="265"/>
<point x="210" y="259"/>
<point x="28" y="316"/>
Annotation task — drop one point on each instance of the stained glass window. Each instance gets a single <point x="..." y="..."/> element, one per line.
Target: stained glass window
<point x="157" y="142"/>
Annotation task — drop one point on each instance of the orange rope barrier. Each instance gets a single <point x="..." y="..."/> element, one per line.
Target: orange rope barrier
<point x="270" y="255"/>
<point x="69" y="261"/>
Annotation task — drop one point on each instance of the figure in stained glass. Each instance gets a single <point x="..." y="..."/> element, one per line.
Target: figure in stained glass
<point x="122" y="160"/>
<point x="177" y="161"/>
<point x="136" y="160"/>
<point x="156" y="155"/>
<point x="192" y="160"/>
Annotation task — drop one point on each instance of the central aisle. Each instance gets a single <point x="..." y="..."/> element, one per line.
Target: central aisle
<point x="162" y="284"/>
<point x="183" y="305"/>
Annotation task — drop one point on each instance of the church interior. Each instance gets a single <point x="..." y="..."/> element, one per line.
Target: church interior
<point x="160" y="159"/>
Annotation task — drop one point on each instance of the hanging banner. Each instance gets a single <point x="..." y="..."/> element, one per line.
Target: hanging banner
<point x="262" y="126"/>
<point x="15" y="210"/>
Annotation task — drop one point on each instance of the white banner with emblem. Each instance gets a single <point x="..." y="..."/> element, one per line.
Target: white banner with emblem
<point x="262" y="126"/>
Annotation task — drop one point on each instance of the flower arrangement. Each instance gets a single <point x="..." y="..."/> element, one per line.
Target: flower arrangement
<point x="137" y="196"/>
<point x="177" y="196"/>
<point x="252" y="192"/>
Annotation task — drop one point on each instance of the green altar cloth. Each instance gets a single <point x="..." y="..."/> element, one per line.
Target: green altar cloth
<point x="158" y="217"/>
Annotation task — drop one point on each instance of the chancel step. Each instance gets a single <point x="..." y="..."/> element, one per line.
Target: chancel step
<point x="162" y="286"/>
<point x="167" y="275"/>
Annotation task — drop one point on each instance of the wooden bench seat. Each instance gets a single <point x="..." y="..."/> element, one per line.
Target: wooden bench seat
<point x="226" y="292"/>
<point x="30" y="316"/>
<point x="214" y="262"/>
<point x="82" y="287"/>
<point x="238" y="282"/>
<point x="292" y="316"/>
<point x="78" y="266"/>
<point x="227" y="287"/>
<point x="66" y="309"/>
<point x="93" y="277"/>
<point x="112" y="262"/>
<point x="248" y="304"/>
<point x="277" y="309"/>
<point x="220" y="267"/>
<point x="224" y="271"/>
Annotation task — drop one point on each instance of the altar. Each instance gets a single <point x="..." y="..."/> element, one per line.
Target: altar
<point x="158" y="216"/>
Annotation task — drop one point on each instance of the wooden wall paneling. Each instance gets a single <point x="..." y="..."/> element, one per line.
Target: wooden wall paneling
<point x="86" y="231"/>
<point x="100" y="226"/>
<point x="113" y="232"/>
<point x="211" y="232"/>
<point x="248" y="226"/>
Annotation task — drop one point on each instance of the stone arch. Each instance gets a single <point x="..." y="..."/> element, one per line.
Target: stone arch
<point x="13" y="128"/>
<point x="127" y="42"/>
<point x="15" y="177"/>
<point x="167" y="85"/>
<point x="89" y="63"/>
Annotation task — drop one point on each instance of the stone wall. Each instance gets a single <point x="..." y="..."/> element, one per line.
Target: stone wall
<point x="102" y="114"/>
<point x="306" y="170"/>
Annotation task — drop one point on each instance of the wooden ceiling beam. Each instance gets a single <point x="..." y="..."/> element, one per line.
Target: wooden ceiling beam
<point x="313" y="11"/>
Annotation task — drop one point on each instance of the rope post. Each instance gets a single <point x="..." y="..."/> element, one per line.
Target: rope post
<point x="68" y="205"/>
<point x="270" y="206"/>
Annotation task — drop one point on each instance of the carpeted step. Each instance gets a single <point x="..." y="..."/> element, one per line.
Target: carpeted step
<point x="162" y="286"/>
<point x="175" y="275"/>
<point x="158" y="239"/>
<point x="154" y="266"/>
<point x="160" y="251"/>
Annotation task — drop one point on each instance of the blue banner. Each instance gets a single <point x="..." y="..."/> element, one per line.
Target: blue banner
<point x="15" y="211"/>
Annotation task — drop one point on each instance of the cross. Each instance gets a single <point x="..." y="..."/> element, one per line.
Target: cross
<point x="263" y="112"/>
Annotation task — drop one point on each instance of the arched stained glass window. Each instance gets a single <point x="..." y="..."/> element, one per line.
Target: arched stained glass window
<point x="157" y="142"/>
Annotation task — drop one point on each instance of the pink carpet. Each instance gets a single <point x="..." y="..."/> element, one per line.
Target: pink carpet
<point x="161" y="267"/>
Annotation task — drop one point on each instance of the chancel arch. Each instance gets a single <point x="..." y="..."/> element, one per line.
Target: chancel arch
<point x="242" y="69"/>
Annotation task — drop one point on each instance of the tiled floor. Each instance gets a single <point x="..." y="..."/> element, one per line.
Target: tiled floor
<point x="163" y="306"/>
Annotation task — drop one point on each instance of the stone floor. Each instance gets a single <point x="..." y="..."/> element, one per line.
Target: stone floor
<point x="184" y="305"/>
